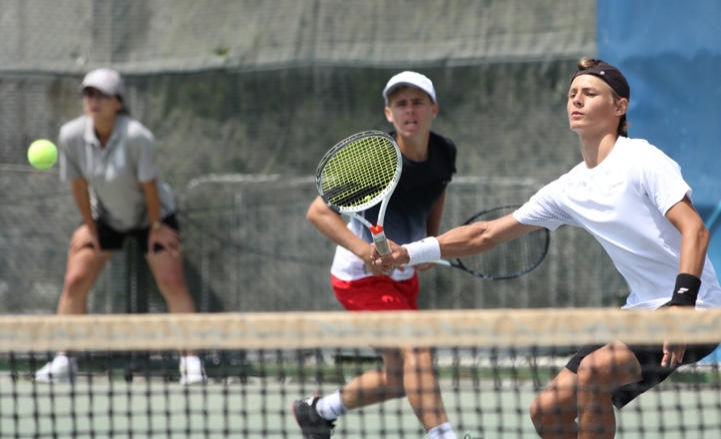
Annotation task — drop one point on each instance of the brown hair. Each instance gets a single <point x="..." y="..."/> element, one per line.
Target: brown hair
<point x="611" y="76"/>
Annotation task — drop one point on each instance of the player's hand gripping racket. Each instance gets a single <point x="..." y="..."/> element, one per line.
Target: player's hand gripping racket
<point x="507" y="260"/>
<point x="358" y="173"/>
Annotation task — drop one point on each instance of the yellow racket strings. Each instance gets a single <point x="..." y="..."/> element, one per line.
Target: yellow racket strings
<point x="357" y="175"/>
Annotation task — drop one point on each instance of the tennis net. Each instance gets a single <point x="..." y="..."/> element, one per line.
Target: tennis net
<point x="490" y="365"/>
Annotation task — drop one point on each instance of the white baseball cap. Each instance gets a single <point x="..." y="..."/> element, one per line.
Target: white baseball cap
<point x="107" y="81"/>
<point x="413" y="79"/>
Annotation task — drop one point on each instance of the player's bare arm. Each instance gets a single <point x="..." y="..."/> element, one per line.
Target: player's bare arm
<point x="79" y="188"/>
<point x="694" y="243"/>
<point x="464" y="240"/>
<point x="695" y="236"/>
<point x="333" y="226"/>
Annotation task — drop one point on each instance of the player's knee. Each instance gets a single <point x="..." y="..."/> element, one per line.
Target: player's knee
<point x="77" y="280"/>
<point x="172" y="283"/>
<point x="418" y="359"/>
<point x="592" y="374"/>
<point x="538" y="414"/>
<point x="549" y="420"/>
<point x="394" y="377"/>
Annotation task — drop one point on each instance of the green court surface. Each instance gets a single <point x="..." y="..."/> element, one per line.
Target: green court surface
<point x="155" y="408"/>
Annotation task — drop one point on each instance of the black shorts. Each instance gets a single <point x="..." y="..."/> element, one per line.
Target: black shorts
<point x="111" y="239"/>
<point x="652" y="373"/>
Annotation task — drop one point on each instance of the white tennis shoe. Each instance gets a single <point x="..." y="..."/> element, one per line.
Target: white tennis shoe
<point x="61" y="370"/>
<point x="192" y="371"/>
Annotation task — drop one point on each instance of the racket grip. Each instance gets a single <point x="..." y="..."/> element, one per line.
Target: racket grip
<point x="379" y="239"/>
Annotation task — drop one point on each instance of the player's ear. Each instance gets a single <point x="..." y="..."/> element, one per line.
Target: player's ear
<point x="389" y="114"/>
<point x="435" y="109"/>
<point x="118" y="104"/>
<point x="621" y="106"/>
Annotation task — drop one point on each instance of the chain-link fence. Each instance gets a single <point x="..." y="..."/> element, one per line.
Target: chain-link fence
<point x="260" y="90"/>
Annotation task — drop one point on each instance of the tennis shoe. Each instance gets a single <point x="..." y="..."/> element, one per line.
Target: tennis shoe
<point x="192" y="371"/>
<point x="62" y="369"/>
<point x="312" y="425"/>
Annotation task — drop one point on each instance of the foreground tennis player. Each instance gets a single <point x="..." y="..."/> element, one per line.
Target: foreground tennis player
<point x="414" y="212"/>
<point x="633" y="199"/>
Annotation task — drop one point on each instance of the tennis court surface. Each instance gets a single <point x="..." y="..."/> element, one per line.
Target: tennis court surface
<point x="490" y="363"/>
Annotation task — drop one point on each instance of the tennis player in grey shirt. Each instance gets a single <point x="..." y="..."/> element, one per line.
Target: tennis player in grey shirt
<point x="109" y="160"/>
<point x="117" y="172"/>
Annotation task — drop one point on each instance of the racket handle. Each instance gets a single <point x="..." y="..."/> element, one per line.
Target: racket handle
<point x="379" y="239"/>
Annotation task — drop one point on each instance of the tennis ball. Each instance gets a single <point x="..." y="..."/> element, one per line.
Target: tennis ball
<point x="42" y="154"/>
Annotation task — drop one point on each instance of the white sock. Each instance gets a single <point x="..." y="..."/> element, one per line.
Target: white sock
<point x="187" y="360"/>
<point x="443" y="431"/>
<point x="61" y="359"/>
<point x="330" y="407"/>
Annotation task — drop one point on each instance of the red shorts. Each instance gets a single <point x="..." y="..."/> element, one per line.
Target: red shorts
<point x="376" y="293"/>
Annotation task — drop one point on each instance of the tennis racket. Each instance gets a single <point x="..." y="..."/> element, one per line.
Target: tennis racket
<point x="507" y="260"/>
<point x="358" y="173"/>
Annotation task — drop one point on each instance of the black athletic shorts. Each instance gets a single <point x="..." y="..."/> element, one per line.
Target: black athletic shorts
<point x="652" y="373"/>
<point x="111" y="239"/>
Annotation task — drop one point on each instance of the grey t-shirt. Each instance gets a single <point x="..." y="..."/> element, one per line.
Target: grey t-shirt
<point x="114" y="172"/>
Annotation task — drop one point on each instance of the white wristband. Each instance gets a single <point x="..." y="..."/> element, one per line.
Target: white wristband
<point x="423" y="251"/>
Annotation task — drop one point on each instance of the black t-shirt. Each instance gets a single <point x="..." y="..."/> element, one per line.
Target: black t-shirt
<point x="420" y="186"/>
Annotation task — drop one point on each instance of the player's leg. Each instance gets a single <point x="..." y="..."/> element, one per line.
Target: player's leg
<point x="169" y="273"/>
<point x="406" y="372"/>
<point x="83" y="268"/>
<point x="599" y="375"/>
<point x="423" y="392"/>
<point x="554" y="410"/>
<point x="316" y="415"/>
<point x="377" y="385"/>
<point x="377" y="293"/>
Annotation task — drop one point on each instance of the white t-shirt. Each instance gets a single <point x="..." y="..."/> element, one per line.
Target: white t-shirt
<point x="114" y="172"/>
<point x="622" y="202"/>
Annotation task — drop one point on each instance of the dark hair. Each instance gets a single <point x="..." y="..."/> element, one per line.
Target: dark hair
<point x="123" y="110"/>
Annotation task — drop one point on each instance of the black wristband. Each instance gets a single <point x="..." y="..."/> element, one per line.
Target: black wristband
<point x="686" y="290"/>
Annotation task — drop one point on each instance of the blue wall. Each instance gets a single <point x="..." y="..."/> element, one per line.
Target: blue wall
<point x="670" y="52"/>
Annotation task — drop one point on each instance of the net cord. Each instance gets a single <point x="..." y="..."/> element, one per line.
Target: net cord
<point x="299" y="330"/>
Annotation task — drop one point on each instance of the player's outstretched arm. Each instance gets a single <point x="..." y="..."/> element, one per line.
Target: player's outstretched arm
<point x="458" y="242"/>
